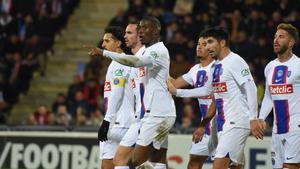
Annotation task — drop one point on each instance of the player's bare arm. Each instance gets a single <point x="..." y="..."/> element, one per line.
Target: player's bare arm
<point x="199" y="132"/>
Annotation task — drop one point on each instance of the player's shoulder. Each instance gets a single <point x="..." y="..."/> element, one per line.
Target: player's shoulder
<point x="236" y="58"/>
<point x="120" y="70"/>
<point x="270" y="65"/>
<point x="195" y="67"/>
<point x="158" y="47"/>
<point x="296" y="59"/>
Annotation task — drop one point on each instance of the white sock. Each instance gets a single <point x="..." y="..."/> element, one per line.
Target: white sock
<point x="146" y="165"/>
<point x="121" y="167"/>
<point x="160" y="166"/>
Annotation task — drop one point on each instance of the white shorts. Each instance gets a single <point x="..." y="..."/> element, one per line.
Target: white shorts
<point x="130" y="138"/>
<point x="155" y="130"/>
<point x="109" y="148"/>
<point x="200" y="148"/>
<point x="231" y="144"/>
<point x="285" y="148"/>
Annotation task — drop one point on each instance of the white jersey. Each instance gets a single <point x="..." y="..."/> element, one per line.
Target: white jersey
<point x="118" y="95"/>
<point x="158" y="101"/>
<point x="139" y="81"/>
<point x="198" y="77"/>
<point x="228" y="76"/>
<point x="283" y="87"/>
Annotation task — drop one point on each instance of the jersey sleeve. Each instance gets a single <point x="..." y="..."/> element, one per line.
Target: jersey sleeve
<point x="128" y="60"/>
<point x="115" y="92"/>
<point x="267" y="103"/>
<point x="203" y="91"/>
<point x="240" y="71"/>
<point x="188" y="77"/>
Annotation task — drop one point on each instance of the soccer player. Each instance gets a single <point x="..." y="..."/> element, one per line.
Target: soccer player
<point x="157" y="100"/>
<point x="198" y="77"/>
<point x="124" y="152"/>
<point x="235" y="100"/>
<point x="282" y="93"/>
<point x="118" y="99"/>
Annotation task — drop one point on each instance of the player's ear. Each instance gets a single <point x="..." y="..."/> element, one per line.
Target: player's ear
<point x="223" y="43"/>
<point x="119" y="43"/>
<point x="291" y="43"/>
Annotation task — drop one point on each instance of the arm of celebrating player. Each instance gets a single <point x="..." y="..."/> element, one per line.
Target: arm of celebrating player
<point x="205" y="90"/>
<point x="128" y="60"/>
<point x="180" y="82"/>
<point x="199" y="132"/>
<point x="196" y="92"/>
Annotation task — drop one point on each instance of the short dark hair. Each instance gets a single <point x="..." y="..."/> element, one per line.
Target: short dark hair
<point x="154" y="21"/>
<point x="292" y="30"/>
<point x="117" y="34"/>
<point x="218" y="33"/>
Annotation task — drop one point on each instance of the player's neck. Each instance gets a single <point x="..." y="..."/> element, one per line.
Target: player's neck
<point x="119" y="50"/>
<point x="152" y="42"/>
<point x="136" y="48"/>
<point x="205" y="62"/>
<point x="224" y="53"/>
<point x="285" y="56"/>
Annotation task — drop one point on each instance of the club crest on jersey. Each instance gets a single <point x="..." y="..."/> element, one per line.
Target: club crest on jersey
<point x="142" y="71"/>
<point x="279" y="73"/>
<point x="107" y="87"/>
<point x="289" y="73"/>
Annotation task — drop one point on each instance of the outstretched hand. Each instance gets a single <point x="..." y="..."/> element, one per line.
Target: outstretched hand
<point x="172" y="89"/>
<point x="93" y="51"/>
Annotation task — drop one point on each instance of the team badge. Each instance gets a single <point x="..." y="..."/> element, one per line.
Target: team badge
<point x="245" y="72"/>
<point x="119" y="81"/>
<point x="119" y="72"/>
<point x="279" y="73"/>
<point x="154" y="55"/>
<point x="116" y="81"/>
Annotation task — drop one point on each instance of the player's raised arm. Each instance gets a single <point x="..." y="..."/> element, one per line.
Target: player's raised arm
<point x="128" y="60"/>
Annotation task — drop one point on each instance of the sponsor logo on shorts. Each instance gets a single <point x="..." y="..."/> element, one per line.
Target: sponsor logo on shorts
<point x="281" y="89"/>
<point x="219" y="87"/>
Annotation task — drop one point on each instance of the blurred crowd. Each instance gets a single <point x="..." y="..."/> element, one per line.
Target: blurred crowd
<point x="251" y="23"/>
<point x="25" y="35"/>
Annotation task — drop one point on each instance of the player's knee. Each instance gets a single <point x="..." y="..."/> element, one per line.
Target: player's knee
<point x="193" y="164"/>
<point x="119" y="161"/>
<point x="290" y="166"/>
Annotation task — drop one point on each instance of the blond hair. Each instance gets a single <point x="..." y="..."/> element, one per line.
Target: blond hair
<point x="292" y="30"/>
